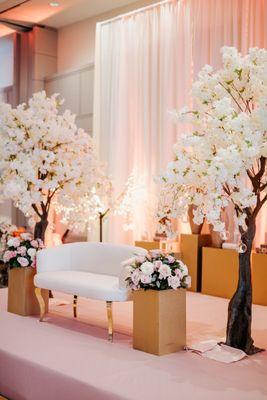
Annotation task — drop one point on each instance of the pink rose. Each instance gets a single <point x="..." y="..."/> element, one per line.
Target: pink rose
<point x="23" y="261"/>
<point x="140" y="259"/>
<point x="157" y="264"/>
<point x="178" y="273"/>
<point x="171" y="259"/>
<point x="22" y="250"/>
<point x="135" y="277"/>
<point x="156" y="253"/>
<point x="8" y="255"/>
<point x="35" y="243"/>
<point x="40" y="243"/>
<point x="146" y="279"/>
<point x="164" y="271"/>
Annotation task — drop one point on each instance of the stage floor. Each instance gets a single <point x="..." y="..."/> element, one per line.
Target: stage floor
<point x="69" y="359"/>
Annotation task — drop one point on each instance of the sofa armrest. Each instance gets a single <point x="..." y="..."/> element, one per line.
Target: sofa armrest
<point x="124" y="272"/>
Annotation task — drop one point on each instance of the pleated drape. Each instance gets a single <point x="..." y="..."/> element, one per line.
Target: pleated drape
<point x="145" y="64"/>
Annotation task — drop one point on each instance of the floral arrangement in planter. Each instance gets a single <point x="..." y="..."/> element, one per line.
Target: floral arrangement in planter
<point x="20" y="251"/>
<point x="6" y="229"/>
<point x="157" y="271"/>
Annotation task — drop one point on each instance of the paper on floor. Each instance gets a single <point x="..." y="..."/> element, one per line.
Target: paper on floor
<point x="211" y="349"/>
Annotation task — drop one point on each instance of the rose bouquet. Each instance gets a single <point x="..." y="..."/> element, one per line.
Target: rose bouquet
<point x="158" y="271"/>
<point x="6" y="229"/>
<point x="20" y="251"/>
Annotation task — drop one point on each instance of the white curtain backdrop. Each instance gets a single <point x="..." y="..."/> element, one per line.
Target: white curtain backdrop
<point x="145" y="63"/>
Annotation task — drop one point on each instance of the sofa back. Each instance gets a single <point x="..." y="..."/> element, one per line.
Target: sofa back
<point x="102" y="258"/>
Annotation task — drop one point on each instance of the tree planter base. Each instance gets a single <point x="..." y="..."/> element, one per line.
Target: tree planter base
<point x="21" y="296"/>
<point x="159" y="321"/>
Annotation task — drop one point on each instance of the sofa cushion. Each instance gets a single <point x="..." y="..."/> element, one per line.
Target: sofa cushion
<point x="85" y="284"/>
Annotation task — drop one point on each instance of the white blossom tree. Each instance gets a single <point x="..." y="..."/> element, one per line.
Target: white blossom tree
<point x="222" y="161"/>
<point x="43" y="153"/>
<point x="100" y="202"/>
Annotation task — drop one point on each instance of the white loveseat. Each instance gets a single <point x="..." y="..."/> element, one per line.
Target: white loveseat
<point x="92" y="270"/>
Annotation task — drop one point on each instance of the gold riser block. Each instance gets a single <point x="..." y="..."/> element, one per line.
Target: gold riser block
<point x="220" y="274"/>
<point x="191" y="254"/>
<point x="21" y="292"/>
<point x="259" y="276"/>
<point x="147" y="245"/>
<point x="159" y="321"/>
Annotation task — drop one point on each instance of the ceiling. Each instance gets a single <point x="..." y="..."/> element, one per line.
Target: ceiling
<point x="68" y="11"/>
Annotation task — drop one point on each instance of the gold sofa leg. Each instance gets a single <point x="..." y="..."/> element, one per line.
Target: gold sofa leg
<point x="38" y="293"/>
<point x="75" y="299"/>
<point x="110" y="320"/>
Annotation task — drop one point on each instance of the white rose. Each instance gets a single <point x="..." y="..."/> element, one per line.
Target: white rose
<point x="32" y="253"/>
<point x="174" y="282"/>
<point x="147" y="268"/>
<point x="13" y="242"/>
<point x="183" y="269"/>
<point x="188" y="281"/>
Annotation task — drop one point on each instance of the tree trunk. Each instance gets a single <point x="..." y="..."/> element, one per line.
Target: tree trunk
<point x="238" y="333"/>
<point x="40" y="228"/>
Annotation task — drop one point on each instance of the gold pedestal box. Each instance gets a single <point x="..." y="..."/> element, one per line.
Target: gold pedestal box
<point x="219" y="272"/>
<point x="159" y="321"/>
<point x="21" y="296"/>
<point x="191" y="254"/>
<point x="145" y="244"/>
<point x="259" y="278"/>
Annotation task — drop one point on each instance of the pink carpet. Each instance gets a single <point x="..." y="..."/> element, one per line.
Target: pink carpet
<point x="72" y="360"/>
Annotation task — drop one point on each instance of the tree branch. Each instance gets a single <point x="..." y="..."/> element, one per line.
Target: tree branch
<point x="36" y="210"/>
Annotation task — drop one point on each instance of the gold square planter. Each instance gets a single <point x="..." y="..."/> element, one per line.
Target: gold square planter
<point x="21" y="296"/>
<point x="259" y="278"/>
<point x="191" y="254"/>
<point x="159" y="321"/>
<point x="219" y="272"/>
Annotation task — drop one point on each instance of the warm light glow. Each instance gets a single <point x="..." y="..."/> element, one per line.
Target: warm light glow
<point x="54" y="4"/>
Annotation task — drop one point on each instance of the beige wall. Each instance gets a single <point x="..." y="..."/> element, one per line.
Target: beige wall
<point x="7" y="61"/>
<point x="76" y="42"/>
<point x="76" y="87"/>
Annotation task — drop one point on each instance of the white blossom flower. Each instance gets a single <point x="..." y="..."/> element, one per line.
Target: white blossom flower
<point x="147" y="268"/>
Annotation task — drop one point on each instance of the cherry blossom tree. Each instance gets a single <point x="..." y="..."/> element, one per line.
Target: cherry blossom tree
<point x="43" y="154"/>
<point x="222" y="161"/>
<point x="99" y="203"/>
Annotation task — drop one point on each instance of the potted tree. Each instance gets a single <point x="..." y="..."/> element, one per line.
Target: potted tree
<point x="223" y="161"/>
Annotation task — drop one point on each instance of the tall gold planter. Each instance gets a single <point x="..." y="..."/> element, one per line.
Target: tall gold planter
<point x="259" y="278"/>
<point x="191" y="254"/>
<point x="21" y="296"/>
<point x="219" y="272"/>
<point x="159" y="321"/>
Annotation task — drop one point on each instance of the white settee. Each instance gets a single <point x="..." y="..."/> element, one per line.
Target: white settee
<point x="92" y="270"/>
